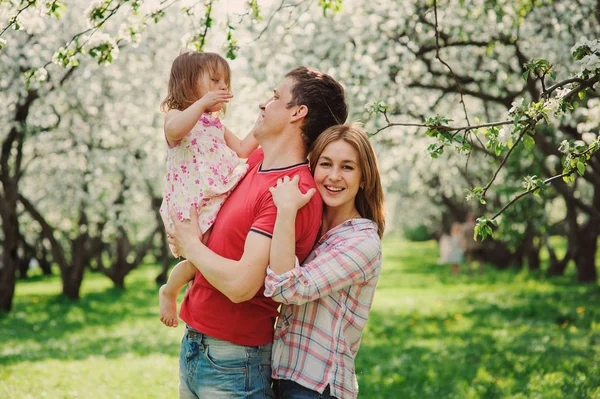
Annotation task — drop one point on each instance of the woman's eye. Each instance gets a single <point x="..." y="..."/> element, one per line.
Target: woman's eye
<point x="324" y="164"/>
<point x="348" y="167"/>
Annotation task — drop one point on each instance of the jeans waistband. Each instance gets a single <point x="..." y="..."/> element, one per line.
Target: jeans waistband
<point x="208" y="340"/>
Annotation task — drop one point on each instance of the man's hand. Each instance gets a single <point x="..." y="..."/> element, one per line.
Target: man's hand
<point x="184" y="235"/>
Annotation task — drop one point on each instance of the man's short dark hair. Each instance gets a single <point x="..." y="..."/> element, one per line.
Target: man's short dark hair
<point x="324" y="98"/>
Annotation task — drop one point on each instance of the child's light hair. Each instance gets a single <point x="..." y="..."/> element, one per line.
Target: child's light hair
<point x="185" y="71"/>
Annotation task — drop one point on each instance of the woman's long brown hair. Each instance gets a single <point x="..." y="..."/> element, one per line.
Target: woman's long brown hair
<point x="369" y="199"/>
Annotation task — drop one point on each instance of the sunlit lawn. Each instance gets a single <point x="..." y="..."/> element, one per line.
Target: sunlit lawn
<point x="501" y="335"/>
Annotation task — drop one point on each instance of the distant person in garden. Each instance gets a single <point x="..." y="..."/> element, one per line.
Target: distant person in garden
<point x="326" y="301"/>
<point x="226" y="348"/>
<point x="203" y="156"/>
<point x="472" y="248"/>
<point x="456" y="253"/>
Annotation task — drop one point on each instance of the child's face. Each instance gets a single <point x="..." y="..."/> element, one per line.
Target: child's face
<point x="210" y="82"/>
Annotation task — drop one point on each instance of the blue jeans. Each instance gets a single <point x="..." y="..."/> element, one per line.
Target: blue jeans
<point x="210" y="368"/>
<point x="287" y="389"/>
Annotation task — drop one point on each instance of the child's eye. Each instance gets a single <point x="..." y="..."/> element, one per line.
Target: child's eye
<point x="324" y="164"/>
<point x="348" y="167"/>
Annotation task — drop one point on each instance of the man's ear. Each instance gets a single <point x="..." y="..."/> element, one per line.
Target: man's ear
<point x="300" y="113"/>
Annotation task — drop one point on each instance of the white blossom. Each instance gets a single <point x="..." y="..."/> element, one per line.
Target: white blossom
<point x="149" y="7"/>
<point x="553" y="104"/>
<point x="593" y="45"/>
<point x="561" y="92"/>
<point x="91" y="7"/>
<point x="41" y="75"/>
<point x="515" y="105"/>
<point x="505" y="134"/>
<point x="32" y="21"/>
<point x="590" y="62"/>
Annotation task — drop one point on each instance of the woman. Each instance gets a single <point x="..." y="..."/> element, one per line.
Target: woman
<point x="326" y="301"/>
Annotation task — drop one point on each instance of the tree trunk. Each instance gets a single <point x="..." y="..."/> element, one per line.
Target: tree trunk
<point x="82" y="250"/>
<point x="121" y="266"/>
<point x="533" y="257"/>
<point x="164" y="258"/>
<point x="73" y="273"/>
<point x="42" y="259"/>
<point x="10" y="259"/>
<point x="583" y="241"/>
<point x="557" y="267"/>
<point x="585" y="254"/>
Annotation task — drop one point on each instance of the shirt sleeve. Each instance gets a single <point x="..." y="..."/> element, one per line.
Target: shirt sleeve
<point x="352" y="261"/>
<point x="266" y="213"/>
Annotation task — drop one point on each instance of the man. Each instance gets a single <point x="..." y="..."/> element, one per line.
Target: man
<point x="226" y="350"/>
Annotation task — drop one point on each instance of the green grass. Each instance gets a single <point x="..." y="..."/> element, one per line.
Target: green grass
<point x="430" y="335"/>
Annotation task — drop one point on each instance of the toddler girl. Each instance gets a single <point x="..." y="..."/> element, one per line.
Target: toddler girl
<point x="203" y="158"/>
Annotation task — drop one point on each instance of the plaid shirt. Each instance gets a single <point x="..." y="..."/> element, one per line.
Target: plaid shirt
<point x="326" y="303"/>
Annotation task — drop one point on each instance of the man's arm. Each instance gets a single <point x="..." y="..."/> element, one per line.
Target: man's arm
<point x="237" y="280"/>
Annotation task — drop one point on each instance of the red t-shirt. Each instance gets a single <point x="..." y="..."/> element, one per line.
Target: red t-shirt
<point x="250" y="207"/>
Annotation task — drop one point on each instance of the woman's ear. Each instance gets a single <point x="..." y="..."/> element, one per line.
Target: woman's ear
<point x="300" y="113"/>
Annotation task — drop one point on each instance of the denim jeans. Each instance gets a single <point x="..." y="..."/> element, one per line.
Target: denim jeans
<point x="287" y="389"/>
<point x="210" y="368"/>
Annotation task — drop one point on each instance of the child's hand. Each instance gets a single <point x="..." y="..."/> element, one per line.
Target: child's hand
<point x="213" y="98"/>
<point x="287" y="195"/>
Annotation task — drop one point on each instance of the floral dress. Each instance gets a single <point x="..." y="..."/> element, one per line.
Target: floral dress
<point x="201" y="172"/>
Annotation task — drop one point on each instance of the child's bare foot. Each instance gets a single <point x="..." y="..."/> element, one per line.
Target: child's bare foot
<point x="168" y="307"/>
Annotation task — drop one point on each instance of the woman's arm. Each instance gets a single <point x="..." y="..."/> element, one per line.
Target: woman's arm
<point x="179" y="123"/>
<point x="355" y="260"/>
<point x="288" y="199"/>
<point x="243" y="148"/>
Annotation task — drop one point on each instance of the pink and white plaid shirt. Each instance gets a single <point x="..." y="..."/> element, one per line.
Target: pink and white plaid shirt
<point x="326" y="303"/>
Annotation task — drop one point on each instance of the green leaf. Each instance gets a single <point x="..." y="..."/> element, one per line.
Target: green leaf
<point x="581" y="95"/>
<point x="525" y="75"/>
<point x="529" y="142"/>
<point x="580" y="168"/>
<point x="498" y="149"/>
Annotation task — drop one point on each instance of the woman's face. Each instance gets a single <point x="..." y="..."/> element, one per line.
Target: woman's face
<point x="338" y="175"/>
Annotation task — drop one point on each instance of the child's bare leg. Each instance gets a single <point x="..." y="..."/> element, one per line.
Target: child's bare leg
<point x="181" y="274"/>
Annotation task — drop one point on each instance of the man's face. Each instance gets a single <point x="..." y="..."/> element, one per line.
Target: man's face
<point x="274" y="115"/>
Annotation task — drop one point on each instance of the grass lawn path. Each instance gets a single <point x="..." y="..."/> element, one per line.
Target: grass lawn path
<point x="506" y="334"/>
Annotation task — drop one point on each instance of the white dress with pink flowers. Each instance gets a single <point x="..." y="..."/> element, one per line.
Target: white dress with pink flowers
<point x="201" y="172"/>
